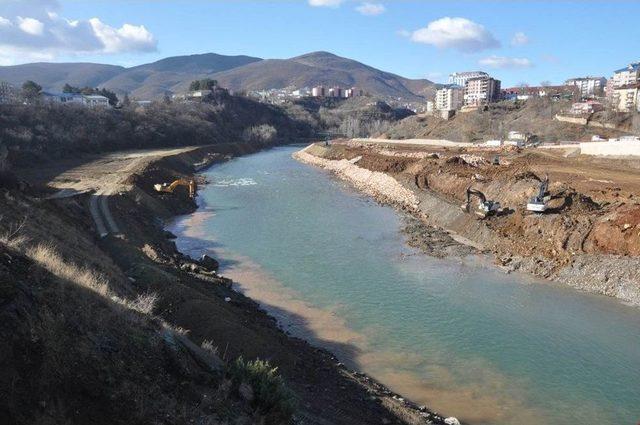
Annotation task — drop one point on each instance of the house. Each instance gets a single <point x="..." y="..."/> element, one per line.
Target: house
<point x="318" y="91"/>
<point x="95" y="101"/>
<point x="66" y="98"/>
<point x="527" y="92"/>
<point x="588" y="107"/>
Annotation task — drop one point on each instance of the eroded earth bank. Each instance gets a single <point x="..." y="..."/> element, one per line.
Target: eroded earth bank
<point x="122" y="328"/>
<point x="589" y="237"/>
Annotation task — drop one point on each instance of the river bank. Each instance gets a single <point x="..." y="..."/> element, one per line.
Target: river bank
<point x="578" y="246"/>
<point x="189" y="296"/>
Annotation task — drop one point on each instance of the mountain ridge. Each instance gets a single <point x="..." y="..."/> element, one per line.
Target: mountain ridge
<point x="239" y="73"/>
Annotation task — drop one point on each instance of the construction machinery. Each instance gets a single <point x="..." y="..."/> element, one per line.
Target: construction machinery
<point x="539" y="202"/>
<point x="484" y="207"/>
<point x="170" y="187"/>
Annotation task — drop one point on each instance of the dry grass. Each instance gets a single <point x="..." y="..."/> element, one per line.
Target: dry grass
<point x="145" y="303"/>
<point x="47" y="257"/>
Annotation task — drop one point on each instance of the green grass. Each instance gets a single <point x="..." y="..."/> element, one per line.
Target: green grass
<point x="272" y="398"/>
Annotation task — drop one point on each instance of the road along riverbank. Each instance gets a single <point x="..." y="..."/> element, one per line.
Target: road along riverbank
<point x="589" y="239"/>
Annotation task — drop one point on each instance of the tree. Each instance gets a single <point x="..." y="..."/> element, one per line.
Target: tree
<point x="545" y="83"/>
<point x="204" y="84"/>
<point x="126" y="102"/>
<point x="113" y="98"/>
<point x="31" y="90"/>
<point x="70" y="89"/>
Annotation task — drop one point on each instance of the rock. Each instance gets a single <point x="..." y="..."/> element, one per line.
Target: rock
<point x="209" y="263"/>
<point x="169" y="235"/>
<point x="227" y="299"/>
<point x="422" y="408"/>
<point x="246" y="392"/>
<point x="452" y="421"/>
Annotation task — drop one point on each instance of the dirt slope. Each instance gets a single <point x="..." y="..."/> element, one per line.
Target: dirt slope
<point x="115" y="325"/>
<point x="589" y="238"/>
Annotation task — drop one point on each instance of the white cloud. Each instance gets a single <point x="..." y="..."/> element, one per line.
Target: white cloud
<point x="504" y="62"/>
<point x="127" y="38"/>
<point x="456" y="33"/>
<point x="519" y="39"/>
<point x="35" y="30"/>
<point x="371" y="9"/>
<point x="325" y="3"/>
<point x="30" y="25"/>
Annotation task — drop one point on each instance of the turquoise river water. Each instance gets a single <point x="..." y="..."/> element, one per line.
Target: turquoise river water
<point x="455" y="334"/>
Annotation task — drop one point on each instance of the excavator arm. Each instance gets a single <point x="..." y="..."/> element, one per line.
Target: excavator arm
<point x="169" y="188"/>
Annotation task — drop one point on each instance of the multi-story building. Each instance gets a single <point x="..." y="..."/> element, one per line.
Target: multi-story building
<point x="588" y="86"/>
<point x="626" y="98"/>
<point x="627" y="76"/>
<point x="460" y="78"/>
<point x="318" y="91"/>
<point x="449" y="98"/>
<point x="335" y="92"/>
<point x="481" y="90"/>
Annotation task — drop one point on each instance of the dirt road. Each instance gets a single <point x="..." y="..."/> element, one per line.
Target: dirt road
<point x="102" y="177"/>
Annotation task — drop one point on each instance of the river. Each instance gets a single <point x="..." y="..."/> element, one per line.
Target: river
<point x="454" y="334"/>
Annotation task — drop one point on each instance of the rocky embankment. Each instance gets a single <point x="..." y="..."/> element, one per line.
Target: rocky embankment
<point x="127" y="329"/>
<point x="589" y="239"/>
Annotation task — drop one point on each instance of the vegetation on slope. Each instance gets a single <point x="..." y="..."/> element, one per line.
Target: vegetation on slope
<point x="535" y="116"/>
<point x="60" y="130"/>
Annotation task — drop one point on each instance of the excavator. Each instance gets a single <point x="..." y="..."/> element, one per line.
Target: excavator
<point x="539" y="202"/>
<point x="169" y="188"/>
<point x="484" y="207"/>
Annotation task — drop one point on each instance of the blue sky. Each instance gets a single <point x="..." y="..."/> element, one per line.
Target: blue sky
<point x="555" y="41"/>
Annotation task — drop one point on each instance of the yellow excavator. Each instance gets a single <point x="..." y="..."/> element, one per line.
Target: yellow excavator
<point x="484" y="208"/>
<point x="169" y="188"/>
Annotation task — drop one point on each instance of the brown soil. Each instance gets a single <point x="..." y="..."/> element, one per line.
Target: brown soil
<point x="79" y="355"/>
<point x="594" y="207"/>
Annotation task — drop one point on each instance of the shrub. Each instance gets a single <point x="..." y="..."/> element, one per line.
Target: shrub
<point x="271" y="396"/>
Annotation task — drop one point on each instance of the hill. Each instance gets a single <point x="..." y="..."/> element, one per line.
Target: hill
<point x="322" y="68"/>
<point x="53" y="76"/>
<point x="536" y="116"/>
<point x="173" y="74"/>
<point x="157" y="78"/>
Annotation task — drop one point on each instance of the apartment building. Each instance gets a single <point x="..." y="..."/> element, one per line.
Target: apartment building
<point x="317" y="91"/>
<point x="626" y="98"/>
<point x="449" y="98"/>
<point x="627" y="76"/>
<point x="480" y="91"/>
<point x="588" y="86"/>
<point x="461" y="78"/>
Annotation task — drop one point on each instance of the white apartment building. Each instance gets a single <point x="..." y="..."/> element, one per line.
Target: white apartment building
<point x="627" y="76"/>
<point x="588" y="86"/>
<point x="449" y="98"/>
<point x="461" y="78"/>
<point x="317" y="91"/>
<point x="627" y="98"/>
<point x="480" y="91"/>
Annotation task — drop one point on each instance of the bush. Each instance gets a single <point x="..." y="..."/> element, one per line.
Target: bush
<point x="271" y="396"/>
